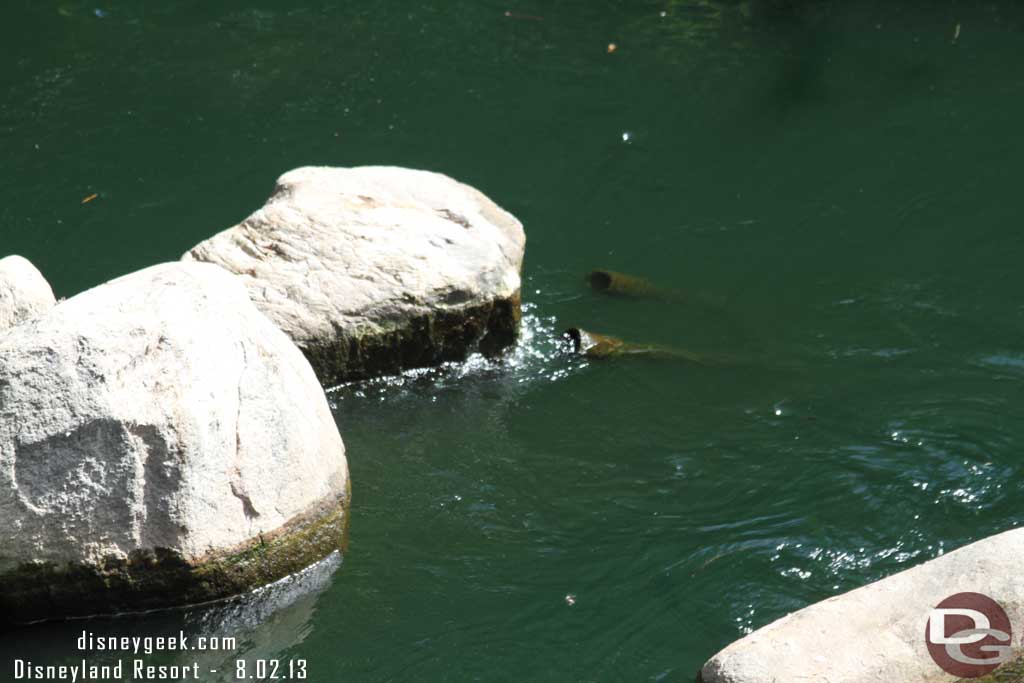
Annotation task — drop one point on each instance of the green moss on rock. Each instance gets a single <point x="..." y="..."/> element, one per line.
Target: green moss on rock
<point x="153" y="579"/>
<point x="447" y="335"/>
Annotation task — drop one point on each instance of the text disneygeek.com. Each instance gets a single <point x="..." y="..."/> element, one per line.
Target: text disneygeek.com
<point x="136" y="669"/>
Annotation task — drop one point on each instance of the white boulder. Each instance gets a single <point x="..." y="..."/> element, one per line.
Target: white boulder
<point x="374" y="269"/>
<point x="877" y="632"/>
<point x="24" y="292"/>
<point x="160" y="442"/>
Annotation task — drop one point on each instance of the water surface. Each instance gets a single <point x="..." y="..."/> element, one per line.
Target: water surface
<point x="843" y="176"/>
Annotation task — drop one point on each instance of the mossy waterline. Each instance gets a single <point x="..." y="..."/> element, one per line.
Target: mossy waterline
<point x="159" y="578"/>
<point x="431" y="339"/>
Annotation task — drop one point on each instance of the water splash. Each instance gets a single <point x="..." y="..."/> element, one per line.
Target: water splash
<point x="540" y="355"/>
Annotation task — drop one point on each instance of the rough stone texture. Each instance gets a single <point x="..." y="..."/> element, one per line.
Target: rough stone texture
<point x="24" y="292"/>
<point x="371" y="270"/>
<point x="877" y="632"/>
<point x="161" y="442"/>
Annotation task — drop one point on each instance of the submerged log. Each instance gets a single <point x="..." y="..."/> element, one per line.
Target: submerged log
<point x="621" y="284"/>
<point x="601" y="346"/>
<point x="614" y="283"/>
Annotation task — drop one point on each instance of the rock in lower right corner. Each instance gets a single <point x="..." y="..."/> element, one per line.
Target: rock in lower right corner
<point x="878" y="632"/>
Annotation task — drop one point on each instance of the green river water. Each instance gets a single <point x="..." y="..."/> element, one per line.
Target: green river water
<point x="843" y="178"/>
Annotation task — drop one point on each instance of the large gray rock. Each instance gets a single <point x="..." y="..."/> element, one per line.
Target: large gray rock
<point x="161" y="442"/>
<point x="371" y="270"/>
<point x="24" y="292"/>
<point x="877" y="632"/>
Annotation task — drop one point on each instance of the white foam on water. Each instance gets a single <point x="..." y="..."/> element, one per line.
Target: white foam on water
<point x="539" y="355"/>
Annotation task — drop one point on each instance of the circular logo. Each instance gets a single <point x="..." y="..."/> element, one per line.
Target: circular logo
<point x="968" y="635"/>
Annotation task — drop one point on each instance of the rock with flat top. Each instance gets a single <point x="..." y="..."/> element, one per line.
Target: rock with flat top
<point x="877" y="632"/>
<point x="24" y="292"/>
<point x="376" y="269"/>
<point x="161" y="443"/>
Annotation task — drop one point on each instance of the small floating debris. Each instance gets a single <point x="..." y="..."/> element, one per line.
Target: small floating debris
<point x="524" y="17"/>
<point x="90" y="198"/>
<point x="570" y="599"/>
<point x="612" y="47"/>
<point x="956" y="33"/>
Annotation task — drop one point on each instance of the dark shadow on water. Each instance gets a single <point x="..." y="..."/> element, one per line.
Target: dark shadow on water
<point x="265" y="624"/>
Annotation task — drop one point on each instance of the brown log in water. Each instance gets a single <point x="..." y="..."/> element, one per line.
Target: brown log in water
<point x="601" y="346"/>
